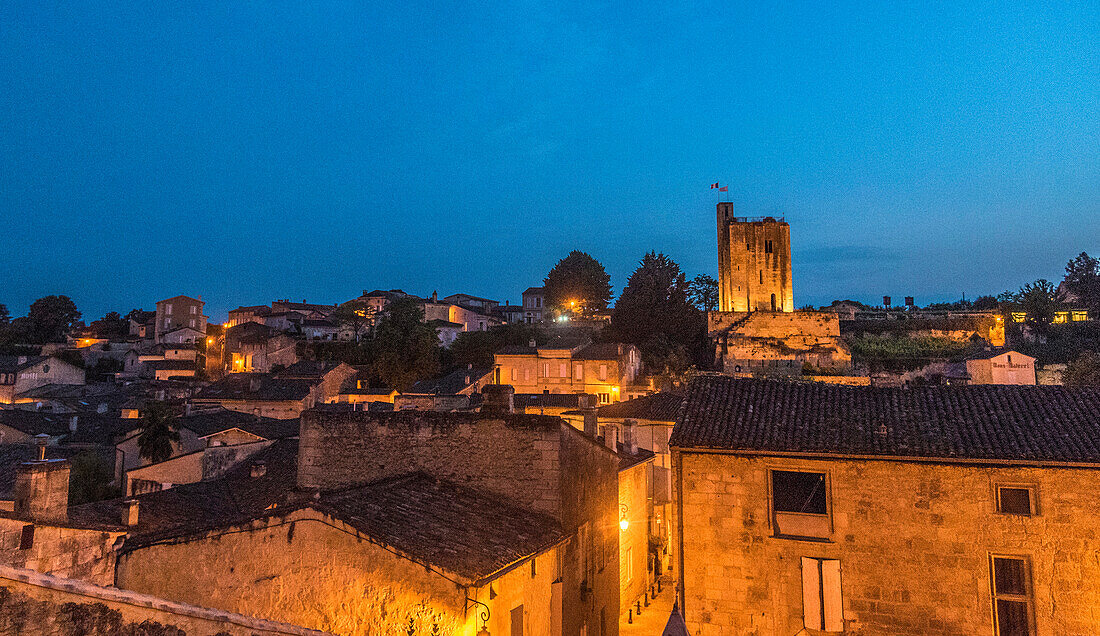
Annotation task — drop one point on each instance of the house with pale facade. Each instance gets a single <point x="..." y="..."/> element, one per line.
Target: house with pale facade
<point x="821" y="509"/>
<point x="611" y="371"/>
<point x="1000" y="366"/>
<point x="20" y="374"/>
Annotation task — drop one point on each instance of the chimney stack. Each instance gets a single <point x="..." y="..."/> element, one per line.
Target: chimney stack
<point x="259" y="469"/>
<point x="130" y="512"/>
<point x="253" y="384"/>
<point x="611" y="436"/>
<point x="499" y="398"/>
<point x="630" y="436"/>
<point x="42" y="487"/>
<point x="73" y="421"/>
<point x="591" y="416"/>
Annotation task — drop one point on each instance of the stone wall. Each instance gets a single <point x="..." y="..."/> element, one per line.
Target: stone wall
<point x="34" y="603"/>
<point x="309" y="569"/>
<point x="590" y="492"/>
<point x="769" y="324"/>
<point x="914" y="541"/>
<point x="634" y="541"/>
<point x="86" y="555"/>
<point x="515" y="456"/>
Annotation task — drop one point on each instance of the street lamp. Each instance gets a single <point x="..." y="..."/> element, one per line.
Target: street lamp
<point x="624" y="523"/>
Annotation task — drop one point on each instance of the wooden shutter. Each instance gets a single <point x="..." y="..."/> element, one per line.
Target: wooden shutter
<point x="811" y="594"/>
<point x="830" y="594"/>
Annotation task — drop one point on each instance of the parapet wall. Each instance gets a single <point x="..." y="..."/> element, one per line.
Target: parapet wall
<point x="35" y="603"/>
<point x="515" y="456"/>
<point x="775" y="324"/>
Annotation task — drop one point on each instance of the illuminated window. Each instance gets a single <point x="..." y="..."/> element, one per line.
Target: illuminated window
<point x="1061" y="317"/>
<point x="605" y="398"/>
<point x="1016" y="500"/>
<point x="1011" y="595"/>
<point x="1018" y="316"/>
<point x="1078" y="316"/>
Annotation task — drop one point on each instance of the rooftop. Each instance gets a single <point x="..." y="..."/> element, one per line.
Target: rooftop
<point x="981" y="422"/>
<point x="257" y="386"/>
<point x="206" y="423"/>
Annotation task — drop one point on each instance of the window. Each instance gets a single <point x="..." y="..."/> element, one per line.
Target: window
<point x="629" y="564"/>
<point x="767" y="247"/>
<point x="26" y="539"/>
<point x="517" y="621"/>
<point x="822" y="603"/>
<point x="603" y="371"/>
<point x="605" y="398"/>
<point x="513" y="374"/>
<point x="1011" y="595"/>
<point x="545" y="369"/>
<point x="761" y="277"/>
<point x="1078" y="316"/>
<point x="563" y="369"/>
<point x="1015" y="500"/>
<point x="534" y="567"/>
<point x="578" y="371"/>
<point x="168" y="310"/>
<point x="527" y="374"/>
<point x="193" y="310"/>
<point x="800" y="506"/>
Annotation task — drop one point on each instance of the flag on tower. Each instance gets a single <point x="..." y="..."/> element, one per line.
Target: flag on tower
<point x="714" y="185"/>
<point x="724" y="189"/>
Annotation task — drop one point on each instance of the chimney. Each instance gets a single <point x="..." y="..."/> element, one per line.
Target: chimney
<point x="253" y="384"/>
<point x="611" y="436"/>
<point x="187" y="408"/>
<point x="259" y="469"/>
<point x="73" y="421"/>
<point x="42" y="487"/>
<point x="591" y="417"/>
<point x="130" y="512"/>
<point x="435" y="297"/>
<point x="22" y="360"/>
<point x="531" y="343"/>
<point x="630" y="436"/>
<point x="499" y="398"/>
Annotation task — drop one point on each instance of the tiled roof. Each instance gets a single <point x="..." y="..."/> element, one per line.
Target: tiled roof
<point x="990" y="422"/>
<point x="533" y="290"/>
<point x="308" y="369"/>
<point x="11" y="364"/>
<point x="556" y="400"/>
<point x="170" y="365"/>
<point x="33" y="422"/>
<point x="431" y="521"/>
<point x="451" y="383"/>
<point x="599" y="351"/>
<point x="205" y="423"/>
<point x="987" y="354"/>
<point x="204" y="505"/>
<point x="238" y="386"/>
<point x="450" y="526"/>
<point x="660" y="407"/>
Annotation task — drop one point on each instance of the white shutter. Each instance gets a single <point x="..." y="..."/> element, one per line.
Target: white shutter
<point x="811" y="594"/>
<point x="834" y="603"/>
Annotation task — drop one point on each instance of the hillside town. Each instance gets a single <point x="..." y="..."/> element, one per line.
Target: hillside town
<point x="696" y="456"/>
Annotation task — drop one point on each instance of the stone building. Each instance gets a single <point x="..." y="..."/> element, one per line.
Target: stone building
<point x="20" y="374"/>
<point x="179" y="312"/>
<point x="1000" y="366"/>
<point x="777" y="343"/>
<point x="385" y="522"/>
<point x="810" y="508"/>
<point x="608" y="370"/>
<point x="754" y="263"/>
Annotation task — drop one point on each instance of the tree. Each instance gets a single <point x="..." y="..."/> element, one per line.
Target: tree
<point x="477" y="347"/>
<point x="703" y="292"/>
<point x="1083" y="280"/>
<point x="578" y="278"/>
<point x="111" y="325"/>
<point x="357" y="315"/>
<point x="51" y="318"/>
<point x="404" y="348"/>
<point x="90" y="479"/>
<point x="158" y="432"/>
<point x="1084" y="371"/>
<point x="654" y="313"/>
<point x="1037" y="301"/>
<point x="5" y="317"/>
<point x="985" y="303"/>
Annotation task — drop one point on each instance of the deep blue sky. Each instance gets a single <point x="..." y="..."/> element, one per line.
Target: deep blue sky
<point x="253" y="151"/>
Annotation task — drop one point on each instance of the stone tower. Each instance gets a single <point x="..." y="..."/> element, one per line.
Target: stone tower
<point x="754" y="263"/>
